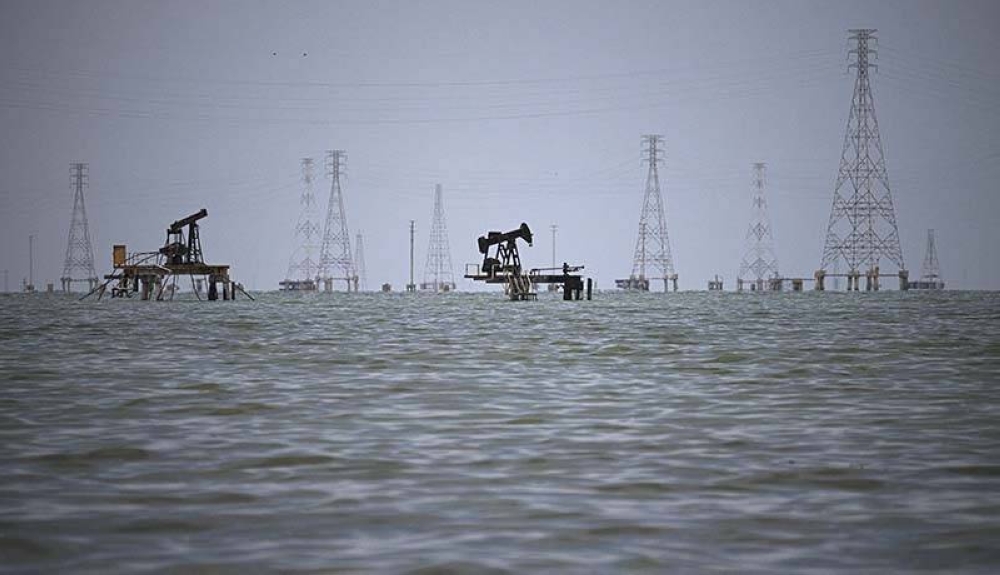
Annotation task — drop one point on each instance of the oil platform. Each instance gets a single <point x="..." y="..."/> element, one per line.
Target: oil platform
<point x="153" y="275"/>
<point x="504" y="267"/>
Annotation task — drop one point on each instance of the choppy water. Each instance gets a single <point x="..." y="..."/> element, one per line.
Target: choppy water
<point x="464" y="433"/>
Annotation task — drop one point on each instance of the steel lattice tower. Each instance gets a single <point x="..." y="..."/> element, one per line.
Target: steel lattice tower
<point x="931" y="270"/>
<point x="862" y="229"/>
<point x="438" y="274"/>
<point x="79" y="265"/>
<point x="303" y="265"/>
<point x="760" y="264"/>
<point x="652" y="248"/>
<point x="335" y="261"/>
<point x="359" y="264"/>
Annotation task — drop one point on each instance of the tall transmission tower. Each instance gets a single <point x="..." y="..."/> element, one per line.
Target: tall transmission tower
<point x="862" y="230"/>
<point x="760" y="264"/>
<point x="438" y="273"/>
<point x="335" y="261"/>
<point x="930" y="273"/>
<point x="79" y="265"/>
<point x="652" y="248"/>
<point x="303" y="265"/>
<point x="359" y="263"/>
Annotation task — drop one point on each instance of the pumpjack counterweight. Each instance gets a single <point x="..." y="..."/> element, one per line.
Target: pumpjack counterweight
<point x="502" y="265"/>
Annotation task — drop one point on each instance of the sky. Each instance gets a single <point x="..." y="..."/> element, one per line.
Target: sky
<point x="523" y="111"/>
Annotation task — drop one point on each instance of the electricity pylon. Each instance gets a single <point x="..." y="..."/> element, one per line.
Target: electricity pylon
<point x="862" y="230"/>
<point x="760" y="264"/>
<point x="930" y="273"/>
<point x="652" y="248"/>
<point x="359" y="264"/>
<point x="335" y="261"/>
<point x="438" y="273"/>
<point x="79" y="265"/>
<point x="303" y="265"/>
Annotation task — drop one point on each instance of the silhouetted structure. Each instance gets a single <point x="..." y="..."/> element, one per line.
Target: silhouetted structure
<point x="504" y="267"/>
<point x="153" y="275"/>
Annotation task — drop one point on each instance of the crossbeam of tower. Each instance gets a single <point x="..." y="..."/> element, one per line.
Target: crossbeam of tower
<point x="652" y="259"/>
<point x="335" y="262"/>
<point x="304" y="263"/>
<point x="862" y="230"/>
<point x="79" y="264"/>
<point x="759" y="264"/>
<point x="438" y="273"/>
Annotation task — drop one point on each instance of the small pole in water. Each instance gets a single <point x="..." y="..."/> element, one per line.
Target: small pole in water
<point x="411" y="286"/>
<point x="31" y="262"/>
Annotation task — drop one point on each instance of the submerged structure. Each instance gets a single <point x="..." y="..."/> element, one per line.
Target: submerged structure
<point x="502" y="265"/>
<point x="153" y="275"/>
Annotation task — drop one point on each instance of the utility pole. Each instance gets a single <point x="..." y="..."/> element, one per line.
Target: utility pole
<point x="79" y="264"/>
<point x="553" y="227"/>
<point x="359" y="264"/>
<point x="411" y="286"/>
<point x="760" y="264"/>
<point x="862" y="230"/>
<point x="31" y="263"/>
<point x="652" y="223"/>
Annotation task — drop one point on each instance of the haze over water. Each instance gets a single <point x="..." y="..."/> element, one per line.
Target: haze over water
<point x="759" y="433"/>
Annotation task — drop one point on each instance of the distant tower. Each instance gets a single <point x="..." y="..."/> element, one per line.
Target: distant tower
<point x="862" y="229"/>
<point x="79" y="265"/>
<point x="652" y="248"/>
<point x="759" y="264"/>
<point x="411" y="287"/>
<point x="303" y="265"/>
<point x="438" y="274"/>
<point x="335" y="261"/>
<point x="930" y="274"/>
<point x="359" y="263"/>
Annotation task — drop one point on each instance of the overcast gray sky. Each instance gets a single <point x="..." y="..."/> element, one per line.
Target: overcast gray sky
<point x="523" y="111"/>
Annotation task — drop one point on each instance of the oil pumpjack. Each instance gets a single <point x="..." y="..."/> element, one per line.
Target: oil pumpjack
<point x="154" y="274"/>
<point x="504" y="267"/>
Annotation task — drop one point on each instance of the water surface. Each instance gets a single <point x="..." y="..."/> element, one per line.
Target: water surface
<point x="464" y="433"/>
